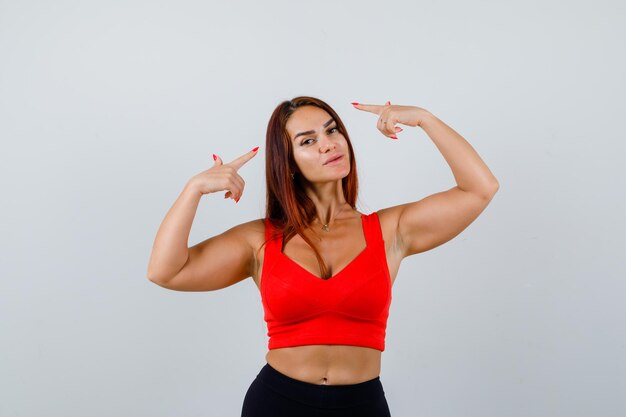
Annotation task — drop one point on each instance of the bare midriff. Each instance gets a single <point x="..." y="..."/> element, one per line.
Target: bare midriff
<point x="326" y="364"/>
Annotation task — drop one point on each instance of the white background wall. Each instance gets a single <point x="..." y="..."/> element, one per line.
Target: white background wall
<point x="107" y="109"/>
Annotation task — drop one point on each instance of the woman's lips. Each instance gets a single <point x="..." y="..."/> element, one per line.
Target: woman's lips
<point x="332" y="161"/>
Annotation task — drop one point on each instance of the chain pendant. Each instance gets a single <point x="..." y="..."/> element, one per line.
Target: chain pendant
<point x="325" y="228"/>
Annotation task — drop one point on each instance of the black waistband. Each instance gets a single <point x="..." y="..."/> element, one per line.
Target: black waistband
<point x="325" y="396"/>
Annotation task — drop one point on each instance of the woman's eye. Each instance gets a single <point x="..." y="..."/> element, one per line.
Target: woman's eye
<point x="306" y="141"/>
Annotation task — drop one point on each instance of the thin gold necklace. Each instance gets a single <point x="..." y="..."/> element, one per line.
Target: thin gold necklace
<point x="325" y="226"/>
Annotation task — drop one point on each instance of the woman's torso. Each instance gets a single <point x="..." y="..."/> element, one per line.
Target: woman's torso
<point x="330" y="364"/>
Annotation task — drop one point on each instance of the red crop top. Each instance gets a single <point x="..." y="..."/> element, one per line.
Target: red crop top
<point x="350" y="308"/>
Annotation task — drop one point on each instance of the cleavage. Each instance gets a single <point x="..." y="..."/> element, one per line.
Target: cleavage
<point x="338" y="254"/>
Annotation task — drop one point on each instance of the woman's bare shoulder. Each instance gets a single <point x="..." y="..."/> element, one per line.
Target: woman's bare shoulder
<point x="252" y="231"/>
<point x="388" y="218"/>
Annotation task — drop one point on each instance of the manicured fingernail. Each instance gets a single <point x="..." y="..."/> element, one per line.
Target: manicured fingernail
<point x="387" y="103"/>
<point x="214" y="157"/>
<point x="355" y="104"/>
<point x="237" y="200"/>
<point x="255" y="149"/>
<point x="398" y="129"/>
<point x="393" y="137"/>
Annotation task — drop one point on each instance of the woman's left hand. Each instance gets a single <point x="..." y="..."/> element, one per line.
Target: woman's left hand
<point x="389" y="115"/>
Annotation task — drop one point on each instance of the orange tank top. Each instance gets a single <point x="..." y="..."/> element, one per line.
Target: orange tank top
<point x="350" y="308"/>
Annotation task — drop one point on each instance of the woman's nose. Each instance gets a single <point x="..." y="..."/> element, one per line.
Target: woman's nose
<point x="326" y="145"/>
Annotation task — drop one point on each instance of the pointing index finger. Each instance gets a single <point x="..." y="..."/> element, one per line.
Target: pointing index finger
<point x="239" y="162"/>
<point x="372" y="108"/>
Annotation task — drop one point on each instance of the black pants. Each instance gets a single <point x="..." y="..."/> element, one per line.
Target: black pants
<point x="273" y="394"/>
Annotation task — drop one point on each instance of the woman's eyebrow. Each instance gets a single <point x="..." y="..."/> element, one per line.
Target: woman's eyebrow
<point x="308" y="132"/>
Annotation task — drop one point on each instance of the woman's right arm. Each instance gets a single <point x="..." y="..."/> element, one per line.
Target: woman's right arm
<point x="169" y="251"/>
<point x="214" y="263"/>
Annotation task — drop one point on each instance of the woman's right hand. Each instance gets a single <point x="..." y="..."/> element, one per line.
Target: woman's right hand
<point x="223" y="177"/>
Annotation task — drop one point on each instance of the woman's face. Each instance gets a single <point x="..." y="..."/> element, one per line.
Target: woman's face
<point x="320" y="151"/>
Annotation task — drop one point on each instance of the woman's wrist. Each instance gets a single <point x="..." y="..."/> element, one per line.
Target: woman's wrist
<point x="424" y="117"/>
<point x="192" y="188"/>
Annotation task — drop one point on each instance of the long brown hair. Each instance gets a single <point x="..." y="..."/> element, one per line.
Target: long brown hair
<point x="288" y="207"/>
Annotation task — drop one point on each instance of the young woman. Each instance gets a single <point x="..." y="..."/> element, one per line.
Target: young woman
<point x="324" y="270"/>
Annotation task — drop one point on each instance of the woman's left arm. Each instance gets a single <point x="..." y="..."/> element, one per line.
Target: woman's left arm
<point x="425" y="224"/>
<point x="437" y="218"/>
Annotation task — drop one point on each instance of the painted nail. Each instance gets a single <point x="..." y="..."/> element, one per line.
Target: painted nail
<point x="214" y="157"/>
<point x="399" y="129"/>
<point x="355" y="103"/>
<point x="255" y="149"/>
<point x="237" y="200"/>
<point x="387" y="103"/>
<point x="393" y="137"/>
